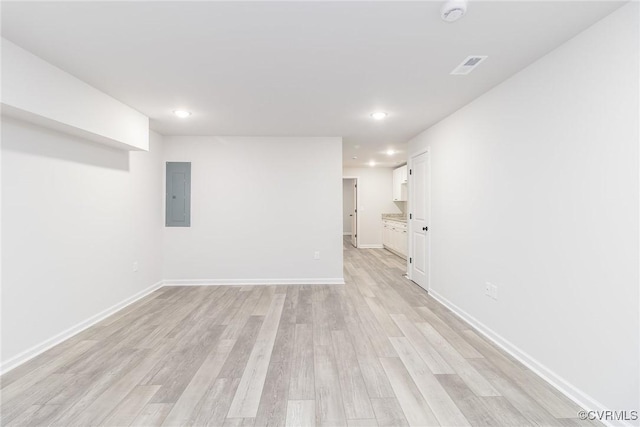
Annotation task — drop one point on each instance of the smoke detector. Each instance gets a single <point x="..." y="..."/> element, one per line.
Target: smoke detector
<point x="453" y="10"/>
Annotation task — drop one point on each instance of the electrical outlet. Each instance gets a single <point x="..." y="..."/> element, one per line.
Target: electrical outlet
<point x="135" y="266"/>
<point x="316" y="255"/>
<point x="494" y="292"/>
<point x="487" y="289"/>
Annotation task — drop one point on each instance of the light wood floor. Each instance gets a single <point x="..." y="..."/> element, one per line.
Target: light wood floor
<point x="378" y="351"/>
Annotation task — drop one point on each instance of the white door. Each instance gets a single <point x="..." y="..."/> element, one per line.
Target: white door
<point x="419" y="210"/>
<point x="354" y="215"/>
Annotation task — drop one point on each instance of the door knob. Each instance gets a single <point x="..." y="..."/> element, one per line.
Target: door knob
<point x="425" y="228"/>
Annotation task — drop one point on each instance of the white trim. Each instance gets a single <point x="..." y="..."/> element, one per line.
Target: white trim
<point x="38" y="349"/>
<point x="563" y="386"/>
<point x="244" y="282"/>
<point x="396" y="253"/>
<point x="370" y="246"/>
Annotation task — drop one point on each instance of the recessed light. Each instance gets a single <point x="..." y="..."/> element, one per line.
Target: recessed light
<point x="372" y="163"/>
<point x="379" y="115"/>
<point x="182" y="113"/>
<point x="390" y="152"/>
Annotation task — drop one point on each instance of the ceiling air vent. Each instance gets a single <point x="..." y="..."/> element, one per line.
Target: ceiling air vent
<point x="468" y="65"/>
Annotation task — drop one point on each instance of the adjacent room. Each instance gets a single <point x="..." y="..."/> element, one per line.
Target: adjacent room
<point x="320" y="213"/>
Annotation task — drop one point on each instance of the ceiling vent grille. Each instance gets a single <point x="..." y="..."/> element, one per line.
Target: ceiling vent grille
<point x="468" y="65"/>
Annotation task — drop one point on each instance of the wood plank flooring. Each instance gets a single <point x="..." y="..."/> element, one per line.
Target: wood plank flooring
<point x="376" y="352"/>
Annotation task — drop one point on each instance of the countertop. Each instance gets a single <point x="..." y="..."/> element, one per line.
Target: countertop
<point x="395" y="217"/>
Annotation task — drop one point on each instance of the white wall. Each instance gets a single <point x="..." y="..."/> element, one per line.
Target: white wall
<point x="260" y="209"/>
<point x="375" y="197"/>
<point x="347" y="205"/>
<point x="75" y="216"/>
<point x="36" y="91"/>
<point x="535" y="188"/>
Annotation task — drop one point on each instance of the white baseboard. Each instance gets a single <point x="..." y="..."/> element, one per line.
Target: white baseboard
<point x="565" y="387"/>
<point x="360" y="246"/>
<point x="34" y="351"/>
<point x="244" y="282"/>
<point x="393" y="251"/>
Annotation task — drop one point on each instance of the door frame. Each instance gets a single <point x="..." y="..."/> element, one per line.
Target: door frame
<point x="410" y="203"/>
<point x="357" y="191"/>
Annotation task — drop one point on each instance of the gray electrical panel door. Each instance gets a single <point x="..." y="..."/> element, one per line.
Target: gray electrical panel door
<point x="178" y="194"/>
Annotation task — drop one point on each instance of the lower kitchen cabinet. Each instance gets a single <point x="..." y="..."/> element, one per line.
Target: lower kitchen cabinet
<point x="394" y="237"/>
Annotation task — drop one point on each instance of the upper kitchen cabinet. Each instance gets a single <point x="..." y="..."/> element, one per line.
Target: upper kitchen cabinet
<point x="400" y="184"/>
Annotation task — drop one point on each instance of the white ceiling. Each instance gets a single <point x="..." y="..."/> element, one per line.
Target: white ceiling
<point x="295" y="68"/>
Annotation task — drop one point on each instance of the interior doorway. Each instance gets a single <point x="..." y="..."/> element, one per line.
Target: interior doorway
<point x="350" y="221"/>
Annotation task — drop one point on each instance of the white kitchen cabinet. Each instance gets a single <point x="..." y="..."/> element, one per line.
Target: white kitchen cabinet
<point x="403" y="245"/>
<point x="386" y="237"/>
<point x="400" y="184"/>
<point x="394" y="237"/>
